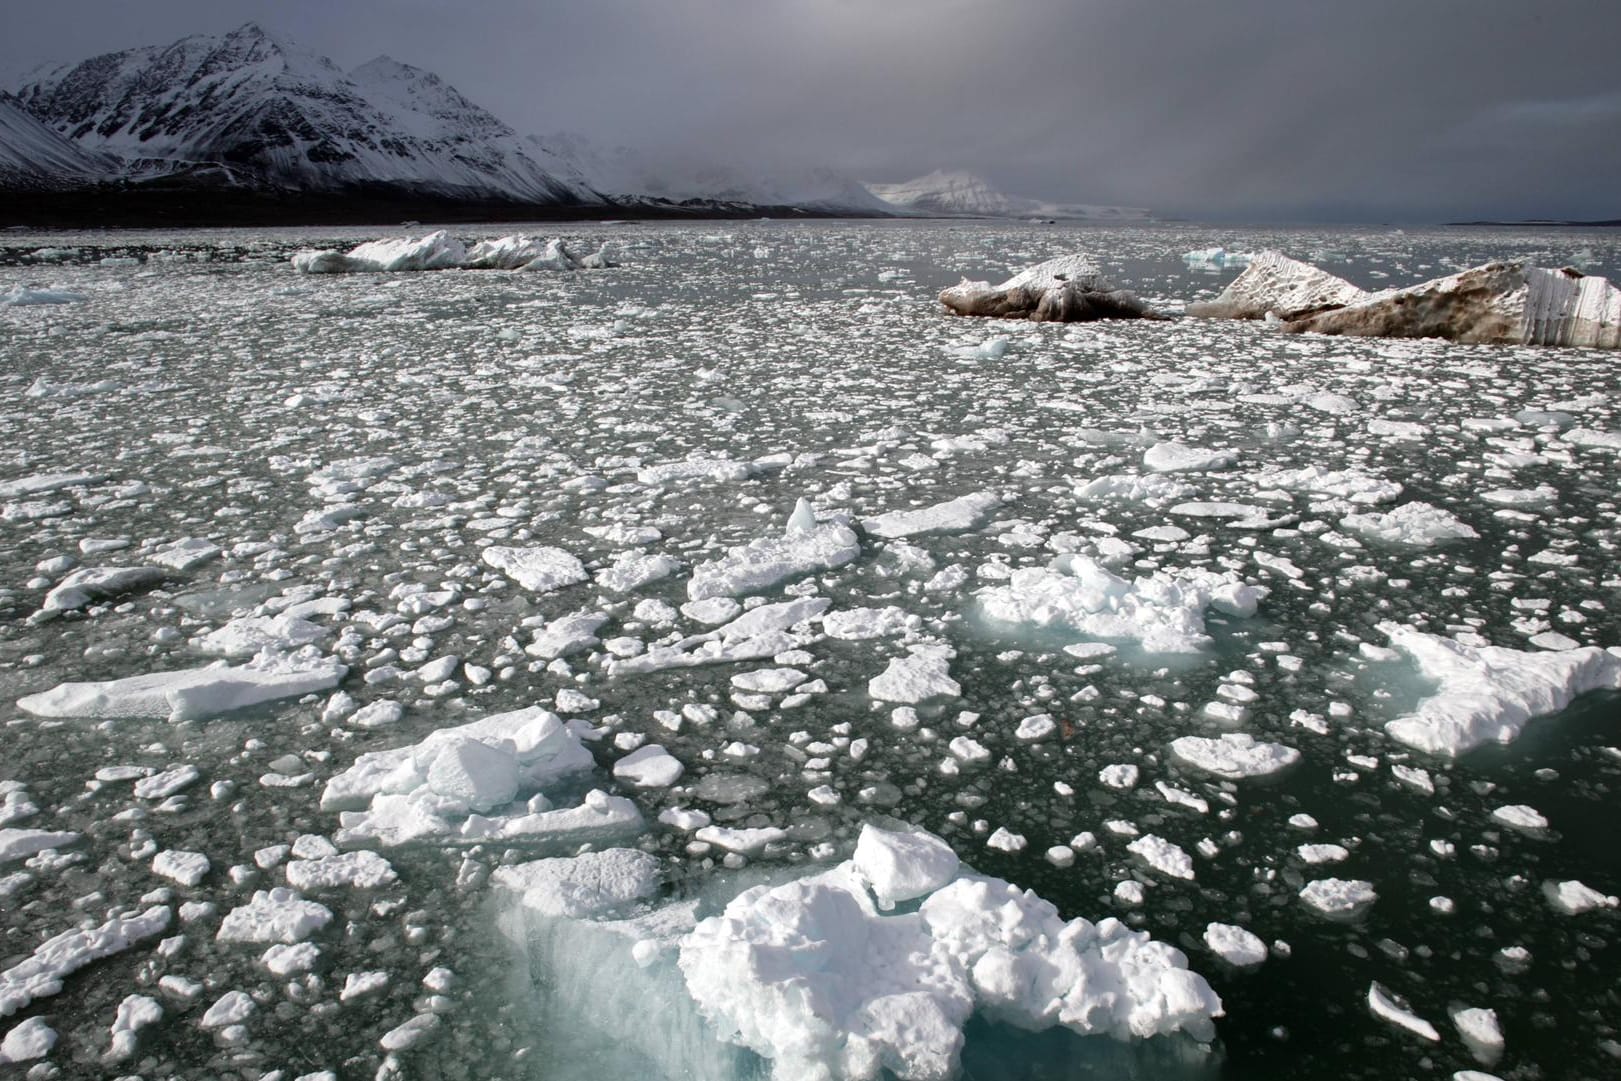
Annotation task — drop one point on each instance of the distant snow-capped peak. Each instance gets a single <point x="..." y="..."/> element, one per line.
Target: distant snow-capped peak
<point x="954" y="193"/>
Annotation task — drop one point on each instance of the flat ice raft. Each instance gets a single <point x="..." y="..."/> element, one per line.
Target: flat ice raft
<point x="1068" y="289"/>
<point x="190" y="693"/>
<point x="827" y="980"/>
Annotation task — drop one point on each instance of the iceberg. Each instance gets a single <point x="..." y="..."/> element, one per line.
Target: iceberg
<point x="1511" y="303"/>
<point x="1275" y="284"/>
<point x="1068" y="289"/>
<point x="441" y="251"/>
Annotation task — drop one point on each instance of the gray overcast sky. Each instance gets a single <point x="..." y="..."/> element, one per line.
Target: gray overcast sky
<point x="1371" y="110"/>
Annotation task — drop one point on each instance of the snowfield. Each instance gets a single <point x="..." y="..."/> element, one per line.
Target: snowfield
<point x="728" y="664"/>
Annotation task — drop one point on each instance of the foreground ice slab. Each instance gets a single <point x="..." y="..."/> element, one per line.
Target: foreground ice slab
<point x="1275" y="284"/>
<point x="191" y="693"/>
<point x="1068" y="289"/>
<point x="1489" y="693"/>
<point x="1511" y="303"/>
<point x="1163" y="612"/>
<point x="814" y="976"/>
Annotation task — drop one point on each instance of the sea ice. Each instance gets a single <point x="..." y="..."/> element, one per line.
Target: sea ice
<point x="768" y="561"/>
<point x="41" y="973"/>
<point x="540" y="569"/>
<point x="952" y="516"/>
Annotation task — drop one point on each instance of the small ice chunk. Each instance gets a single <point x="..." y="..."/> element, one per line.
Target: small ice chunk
<point x="1234" y="755"/>
<point x="650" y="766"/>
<point x="1235" y="945"/>
<point x="1339" y="898"/>
<point x="278" y="915"/>
<point x="540" y="569"/>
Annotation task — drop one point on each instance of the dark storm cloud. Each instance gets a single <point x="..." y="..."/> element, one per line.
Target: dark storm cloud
<point x="1378" y="110"/>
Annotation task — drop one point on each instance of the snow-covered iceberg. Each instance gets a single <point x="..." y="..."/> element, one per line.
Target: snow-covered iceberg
<point x="1068" y="289"/>
<point x="1276" y="284"/>
<point x="869" y="968"/>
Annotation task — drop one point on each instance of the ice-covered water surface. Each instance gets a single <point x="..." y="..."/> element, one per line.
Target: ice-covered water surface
<point x="1142" y="618"/>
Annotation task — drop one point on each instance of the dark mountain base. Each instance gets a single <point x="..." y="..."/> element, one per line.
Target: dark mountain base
<point x="136" y="207"/>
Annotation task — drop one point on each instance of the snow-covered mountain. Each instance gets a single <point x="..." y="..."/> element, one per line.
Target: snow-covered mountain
<point x="255" y="113"/>
<point x="273" y="114"/>
<point x="33" y="156"/>
<point x="964" y="195"/>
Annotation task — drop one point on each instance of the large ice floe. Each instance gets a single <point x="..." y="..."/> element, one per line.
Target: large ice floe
<point x="804" y="547"/>
<point x="481" y="781"/>
<point x="1068" y="289"/>
<point x="441" y="251"/>
<point x="1484" y="693"/>
<point x="191" y="693"/>
<point x="865" y="969"/>
<point x="1162" y="612"/>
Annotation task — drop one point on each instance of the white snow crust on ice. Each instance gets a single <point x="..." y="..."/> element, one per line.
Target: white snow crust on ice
<point x="1233" y="755"/>
<point x="191" y="693"/>
<point x="952" y="516"/>
<point x="1162" y="612"/>
<point x="589" y="884"/>
<point x="902" y="864"/>
<point x="541" y="569"/>
<point x="1488" y="694"/>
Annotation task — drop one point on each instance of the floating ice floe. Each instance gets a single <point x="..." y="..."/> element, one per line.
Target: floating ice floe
<point x="1163" y="612"/>
<point x="45" y="483"/>
<point x="40" y="974"/>
<point x="755" y="635"/>
<point x="191" y="693"/>
<point x="1235" y="945"/>
<point x="768" y="561"/>
<point x="16" y="844"/>
<point x="1339" y="898"/>
<point x="279" y="915"/>
<point x="1573" y="898"/>
<point x="952" y="516"/>
<point x="1386" y="1007"/>
<point x="1067" y="289"/>
<point x="1233" y="755"/>
<point x="1178" y="458"/>
<point x="90" y="584"/>
<point x="475" y="782"/>
<point x="23" y="296"/>
<point x="1416" y="524"/>
<point x="539" y="570"/>
<point x="246" y="636"/>
<point x="1488" y="693"/>
<point x="1215" y="259"/>
<point x="924" y="673"/>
